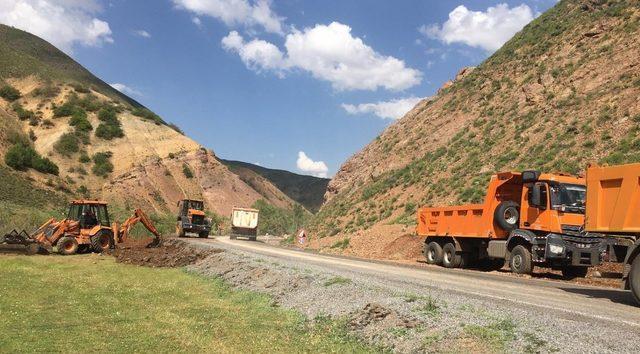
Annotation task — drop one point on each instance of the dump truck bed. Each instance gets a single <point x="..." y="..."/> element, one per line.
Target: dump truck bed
<point x="460" y="221"/>
<point x="613" y="199"/>
<point x="472" y="220"/>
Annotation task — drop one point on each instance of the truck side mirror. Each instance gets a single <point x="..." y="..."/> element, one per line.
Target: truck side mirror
<point x="538" y="196"/>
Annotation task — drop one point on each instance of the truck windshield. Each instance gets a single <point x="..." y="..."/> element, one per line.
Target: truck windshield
<point x="568" y="197"/>
<point x="194" y="204"/>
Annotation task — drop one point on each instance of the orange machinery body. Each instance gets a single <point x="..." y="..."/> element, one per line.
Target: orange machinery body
<point x="613" y="199"/>
<point x="66" y="227"/>
<point x="53" y="230"/>
<point x="477" y="220"/>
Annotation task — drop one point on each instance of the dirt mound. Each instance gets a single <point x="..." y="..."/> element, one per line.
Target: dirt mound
<point x="172" y="253"/>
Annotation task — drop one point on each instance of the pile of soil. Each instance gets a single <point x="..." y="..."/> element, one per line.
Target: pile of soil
<point x="171" y="253"/>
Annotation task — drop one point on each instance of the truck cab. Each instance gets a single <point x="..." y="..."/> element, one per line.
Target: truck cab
<point x="192" y="219"/>
<point x="553" y="209"/>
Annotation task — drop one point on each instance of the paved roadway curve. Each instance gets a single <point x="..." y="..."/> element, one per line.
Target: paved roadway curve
<point x="589" y="304"/>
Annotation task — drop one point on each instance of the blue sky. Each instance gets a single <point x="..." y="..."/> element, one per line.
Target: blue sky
<point x="262" y="81"/>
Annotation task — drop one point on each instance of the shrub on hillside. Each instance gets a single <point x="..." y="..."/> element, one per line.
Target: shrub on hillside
<point x="110" y="127"/>
<point x="9" y="93"/>
<point x="23" y="114"/>
<point x="176" y="128"/>
<point x="84" y="157"/>
<point x="102" y="164"/>
<point x="67" y="145"/>
<point x="65" y="110"/>
<point x="21" y="157"/>
<point x="147" y="114"/>
<point x="80" y="89"/>
<point x="47" y="91"/>
<point x="80" y="122"/>
<point x="186" y="170"/>
<point x="109" y="131"/>
<point x="108" y="115"/>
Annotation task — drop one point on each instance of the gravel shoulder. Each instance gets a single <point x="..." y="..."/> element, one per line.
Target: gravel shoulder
<point x="415" y="310"/>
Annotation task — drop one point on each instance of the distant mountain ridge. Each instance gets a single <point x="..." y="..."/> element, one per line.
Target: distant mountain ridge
<point x="307" y="190"/>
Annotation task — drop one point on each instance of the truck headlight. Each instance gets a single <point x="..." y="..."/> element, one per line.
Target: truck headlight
<point x="556" y="249"/>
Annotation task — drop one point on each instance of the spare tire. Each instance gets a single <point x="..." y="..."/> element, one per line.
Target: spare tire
<point x="507" y="215"/>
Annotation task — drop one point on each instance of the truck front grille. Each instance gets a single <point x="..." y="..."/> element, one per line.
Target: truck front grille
<point x="197" y="219"/>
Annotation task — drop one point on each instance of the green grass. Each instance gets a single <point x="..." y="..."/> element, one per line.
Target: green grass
<point x="337" y="281"/>
<point x="342" y="244"/>
<point x="497" y="335"/>
<point x="90" y="303"/>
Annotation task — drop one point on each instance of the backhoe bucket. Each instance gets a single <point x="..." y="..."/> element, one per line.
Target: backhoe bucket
<point x="157" y="241"/>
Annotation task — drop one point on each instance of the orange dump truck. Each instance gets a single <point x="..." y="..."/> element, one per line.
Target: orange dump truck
<point x="527" y="219"/>
<point x="613" y="210"/>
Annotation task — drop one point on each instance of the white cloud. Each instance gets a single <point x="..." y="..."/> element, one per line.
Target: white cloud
<point x="488" y="30"/>
<point x="142" y="33"/>
<point x="256" y="54"/>
<point x="393" y="109"/>
<point x="306" y="164"/>
<point x="126" y="89"/>
<point x="236" y="12"/>
<point x="61" y="22"/>
<point x="329" y="53"/>
<point x="197" y="21"/>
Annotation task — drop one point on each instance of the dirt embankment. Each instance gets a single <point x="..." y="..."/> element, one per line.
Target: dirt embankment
<point x="171" y="253"/>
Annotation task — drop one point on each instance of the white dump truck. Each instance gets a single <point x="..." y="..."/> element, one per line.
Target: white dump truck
<point x="244" y="223"/>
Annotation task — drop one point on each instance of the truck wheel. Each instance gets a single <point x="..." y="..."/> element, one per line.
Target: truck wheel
<point x="449" y="257"/>
<point x="572" y="272"/>
<point x="634" y="279"/>
<point x="203" y="235"/>
<point x="67" y="246"/>
<point x="433" y="253"/>
<point x="102" y="241"/>
<point x="521" y="262"/>
<point x="507" y="215"/>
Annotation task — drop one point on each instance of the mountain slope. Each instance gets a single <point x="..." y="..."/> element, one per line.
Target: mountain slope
<point x="104" y="144"/>
<point x="561" y="93"/>
<point x="306" y="190"/>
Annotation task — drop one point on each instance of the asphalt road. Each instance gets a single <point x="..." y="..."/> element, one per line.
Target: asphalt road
<point x="576" y="302"/>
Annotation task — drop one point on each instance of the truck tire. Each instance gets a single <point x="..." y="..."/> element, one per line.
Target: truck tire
<point x="450" y="259"/>
<point x="507" y="215"/>
<point x="203" y="235"/>
<point x="102" y="241"/>
<point x="572" y="272"/>
<point x="67" y="246"/>
<point x="634" y="279"/>
<point x="433" y="253"/>
<point x="520" y="261"/>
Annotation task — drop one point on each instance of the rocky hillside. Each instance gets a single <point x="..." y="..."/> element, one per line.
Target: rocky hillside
<point x="306" y="190"/>
<point x="63" y="129"/>
<point x="561" y="93"/>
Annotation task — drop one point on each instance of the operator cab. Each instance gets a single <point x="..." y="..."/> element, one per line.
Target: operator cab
<point x="563" y="193"/>
<point x="89" y="213"/>
<point x="187" y="204"/>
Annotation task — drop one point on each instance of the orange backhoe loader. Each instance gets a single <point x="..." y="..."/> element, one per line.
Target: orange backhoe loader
<point x="86" y="228"/>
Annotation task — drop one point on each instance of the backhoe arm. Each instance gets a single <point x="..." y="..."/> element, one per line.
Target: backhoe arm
<point x="138" y="216"/>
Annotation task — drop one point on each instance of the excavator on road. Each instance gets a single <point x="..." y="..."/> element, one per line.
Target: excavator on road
<point x="86" y="228"/>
